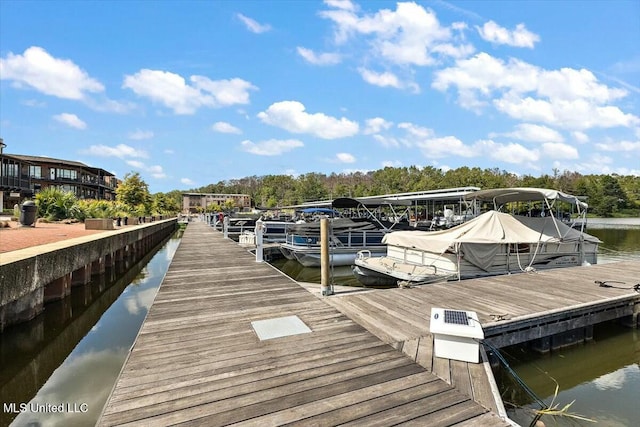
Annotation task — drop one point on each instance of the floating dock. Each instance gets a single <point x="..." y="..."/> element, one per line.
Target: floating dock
<point x="232" y="341"/>
<point x="199" y="358"/>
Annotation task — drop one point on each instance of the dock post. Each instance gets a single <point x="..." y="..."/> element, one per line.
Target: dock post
<point x="225" y="227"/>
<point x="259" y="249"/>
<point x="326" y="288"/>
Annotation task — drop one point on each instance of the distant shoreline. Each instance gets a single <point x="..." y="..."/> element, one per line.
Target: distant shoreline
<point x="613" y="223"/>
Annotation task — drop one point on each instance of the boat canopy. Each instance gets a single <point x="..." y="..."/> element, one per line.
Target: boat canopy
<point x="523" y="194"/>
<point x="348" y="202"/>
<point x="489" y="229"/>
<point x="324" y="211"/>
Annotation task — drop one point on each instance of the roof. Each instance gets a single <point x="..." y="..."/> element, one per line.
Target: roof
<point x="42" y="159"/>
<point x="347" y="202"/>
<point x="500" y="196"/>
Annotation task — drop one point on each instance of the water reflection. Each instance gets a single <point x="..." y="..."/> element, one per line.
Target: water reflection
<point x="617" y="244"/>
<point x="602" y="376"/>
<point x="73" y="353"/>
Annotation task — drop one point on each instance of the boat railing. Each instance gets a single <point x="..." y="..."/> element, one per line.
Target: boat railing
<point x="363" y="254"/>
<point x="349" y="239"/>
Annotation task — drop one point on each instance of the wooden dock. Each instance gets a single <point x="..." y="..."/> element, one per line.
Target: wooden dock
<point x="198" y="361"/>
<point x="512" y="309"/>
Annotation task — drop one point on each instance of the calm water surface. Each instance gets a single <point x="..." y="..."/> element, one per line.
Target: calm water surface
<point x="602" y="376"/>
<point x="73" y="352"/>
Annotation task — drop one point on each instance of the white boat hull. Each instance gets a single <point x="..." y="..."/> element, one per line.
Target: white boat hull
<point x="414" y="266"/>
<point x="310" y="257"/>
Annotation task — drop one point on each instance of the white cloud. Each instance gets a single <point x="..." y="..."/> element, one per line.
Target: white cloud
<point x="534" y="133"/>
<point x="345" y="158"/>
<point x="407" y="36"/>
<point x="52" y="76"/>
<point x="387" y="141"/>
<point x="380" y="79"/>
<point x="253" y="25"/>
<point x="558" y="150"/>
<point x="580" y="137"/>
<point x="291" y="116"/>
<point x="387" y="79"/>
<point x="434" y="148"/>
<point x="156" y="171"/>
<point x="33" y="103"/>
<point x="566" y="98"/>
<point x="172" y="90"/>
<point x="376" y="125"/>
<point x="520" y="37"/>
<point x="510" y="153"/>
<point x="272" y="147"/>
<point x="224" y="127"/>
<point x="139" y="135"/>
<point x="187" y="181"/>
<point x="415" y="130"/>
<point x="341" y="4"/>
<point x="135" y="163"/>
<point x="120" y="151"/>
<point x="70" y="120"/>
<point x="619" y="146"/>
<point x="319" y="59"/>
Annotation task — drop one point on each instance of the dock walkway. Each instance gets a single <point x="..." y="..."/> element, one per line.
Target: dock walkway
<point x="198" y="361"/>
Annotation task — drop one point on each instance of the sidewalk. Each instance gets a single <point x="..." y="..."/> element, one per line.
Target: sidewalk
<point x="17" y="237"/>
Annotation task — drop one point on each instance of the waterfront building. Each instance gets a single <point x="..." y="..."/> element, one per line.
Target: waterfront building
<point x="23" y="176"/>
<point x="192" y="201"/>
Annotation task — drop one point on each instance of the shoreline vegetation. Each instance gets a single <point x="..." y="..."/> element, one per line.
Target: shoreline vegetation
<point x="609" y="196"/>
<point x="601" y="223"/>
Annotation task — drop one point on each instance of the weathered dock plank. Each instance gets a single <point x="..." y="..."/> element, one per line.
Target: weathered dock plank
<point x="198" y="361"/>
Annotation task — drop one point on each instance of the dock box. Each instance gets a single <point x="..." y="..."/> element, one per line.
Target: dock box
<point x="456" y="334"/>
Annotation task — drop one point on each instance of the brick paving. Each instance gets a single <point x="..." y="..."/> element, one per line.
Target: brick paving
<point x="16" y="237"/>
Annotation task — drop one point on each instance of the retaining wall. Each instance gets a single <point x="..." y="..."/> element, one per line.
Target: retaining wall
<point x="26" y="274"/>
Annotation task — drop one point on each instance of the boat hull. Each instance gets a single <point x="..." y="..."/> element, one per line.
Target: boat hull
<point x="311" y="257"/>
<point x="397" y="265"/>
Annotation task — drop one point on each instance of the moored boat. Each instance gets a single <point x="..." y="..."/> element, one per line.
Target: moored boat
<point x="491" y="244"/>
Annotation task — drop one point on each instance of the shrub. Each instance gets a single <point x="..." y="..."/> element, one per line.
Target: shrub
<point x="55" y="204"/>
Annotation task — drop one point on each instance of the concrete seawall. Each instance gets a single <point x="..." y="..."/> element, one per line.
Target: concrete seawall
<point x="32" y="276"/>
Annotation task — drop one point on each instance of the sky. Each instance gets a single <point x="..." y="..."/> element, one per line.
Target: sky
<point x="190" y="93"/>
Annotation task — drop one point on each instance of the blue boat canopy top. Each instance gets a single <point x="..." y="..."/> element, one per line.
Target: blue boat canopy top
<point x="324" y="211"/>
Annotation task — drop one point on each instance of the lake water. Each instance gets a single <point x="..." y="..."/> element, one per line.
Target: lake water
<point x="72" y="353"/>
<point x="601" y="377"/>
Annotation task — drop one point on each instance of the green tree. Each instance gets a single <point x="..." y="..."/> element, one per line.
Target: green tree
<point x="311" y="187"/>
<point x="134" y="192"/>
<point x="164" y="204"/>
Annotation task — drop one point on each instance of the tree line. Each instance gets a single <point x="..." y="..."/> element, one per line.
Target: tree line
<point x="607" y="195"/>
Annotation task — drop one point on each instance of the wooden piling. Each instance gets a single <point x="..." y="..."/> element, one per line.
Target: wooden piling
<point x="325" y="281"/>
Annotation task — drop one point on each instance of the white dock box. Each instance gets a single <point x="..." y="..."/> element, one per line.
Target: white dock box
<point x="456" y="334"/>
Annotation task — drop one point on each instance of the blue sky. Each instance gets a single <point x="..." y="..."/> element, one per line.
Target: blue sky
<point x="190" y="93"/>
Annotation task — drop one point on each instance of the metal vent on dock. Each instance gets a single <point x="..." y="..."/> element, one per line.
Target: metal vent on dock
<point x="279" y="327"/>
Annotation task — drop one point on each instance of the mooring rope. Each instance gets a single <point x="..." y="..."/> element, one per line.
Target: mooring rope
<point x="606" y="284"/>
<point x="519" y="380"/>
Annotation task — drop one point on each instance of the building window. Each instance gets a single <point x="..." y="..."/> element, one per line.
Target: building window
<point x="66" y="174"/>
<point x="35" y="172"/>
<point x="11" y="169"/>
